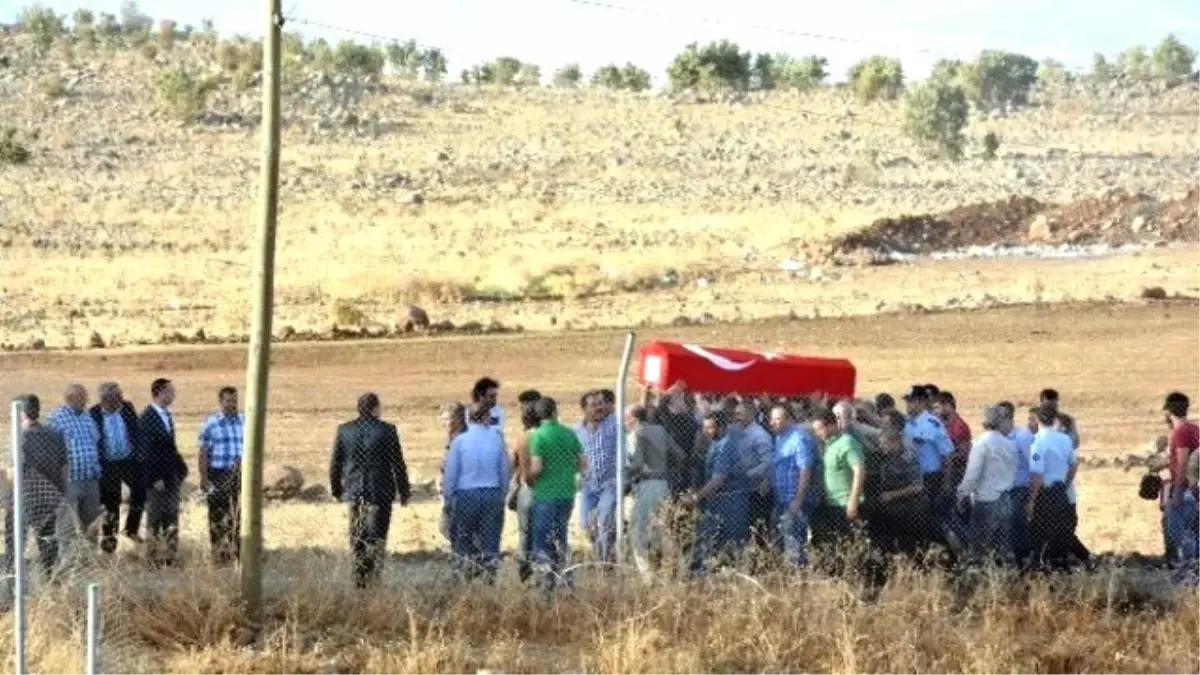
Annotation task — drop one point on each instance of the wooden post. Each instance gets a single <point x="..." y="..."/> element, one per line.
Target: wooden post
<point x="260" y="332"/>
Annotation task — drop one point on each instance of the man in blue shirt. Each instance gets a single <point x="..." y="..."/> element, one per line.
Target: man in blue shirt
<point x="120" y="451"/>
<point x="793" y="467"/>
<point x="477" y="475"/>
<point x="756" y="451"/>
<point x="1051" y="468"/>
<point x="926" y="434"/>
<point x="221" y="443"/>
<point x="82" y="436"/>
<point x="597" y="434"/>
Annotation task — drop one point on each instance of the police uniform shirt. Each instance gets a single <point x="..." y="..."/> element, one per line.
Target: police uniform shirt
<point x="927" y="435"/>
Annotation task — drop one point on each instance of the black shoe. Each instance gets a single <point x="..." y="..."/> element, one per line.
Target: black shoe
<point x="108" y="545"/>
<point x="134" y="537"/>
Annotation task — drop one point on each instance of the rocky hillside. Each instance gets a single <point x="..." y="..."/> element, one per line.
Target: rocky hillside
<point x="134" y="208"/>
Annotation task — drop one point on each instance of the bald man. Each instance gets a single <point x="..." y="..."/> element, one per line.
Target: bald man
<point x="82" y="438"/>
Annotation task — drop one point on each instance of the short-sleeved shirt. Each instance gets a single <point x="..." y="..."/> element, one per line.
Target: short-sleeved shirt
<point x="223" y="437"/>
<point x="890" y="471"/>
<point x="723" y="459"/>
<point x="795" y="451"/>
<point x="928" y="436"/>
<point x="1052" y="456"/>
<point x="1022" y="438"/>
<point x="842" y="455"/>
<point x="1184" y="440"/>
<point x="559" y="448"/>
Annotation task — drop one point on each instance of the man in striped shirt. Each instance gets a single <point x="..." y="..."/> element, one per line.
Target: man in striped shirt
<point x="221" y="440"/>
<point x="82" y="437"/>
<point x="597" y="434"/>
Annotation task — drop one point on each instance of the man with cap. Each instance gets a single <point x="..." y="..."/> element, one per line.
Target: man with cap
<point x="927" y="436"/>
<point x="986" y="485"/>
<point x="1179" y="503"/>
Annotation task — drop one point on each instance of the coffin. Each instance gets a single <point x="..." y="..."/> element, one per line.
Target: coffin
<point x="721" y="370"/>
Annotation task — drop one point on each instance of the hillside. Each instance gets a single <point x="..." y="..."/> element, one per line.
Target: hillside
<point x="539" y="207"/>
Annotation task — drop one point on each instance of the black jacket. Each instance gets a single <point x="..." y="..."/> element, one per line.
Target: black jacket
<point x="160" y="456"/>
<point x="132" y="426"/>
<point x="367" y="463"/>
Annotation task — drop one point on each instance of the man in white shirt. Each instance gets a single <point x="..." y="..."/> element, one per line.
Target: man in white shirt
<point x="986" y="485"/>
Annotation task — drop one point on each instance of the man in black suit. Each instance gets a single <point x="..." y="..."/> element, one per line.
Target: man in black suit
<point x="163" y="471"/>
<point x="367" y="471"/>
<point x="120" y="445"/>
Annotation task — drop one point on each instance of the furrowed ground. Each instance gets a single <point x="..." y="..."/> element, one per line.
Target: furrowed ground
<point x="569" y="213"/>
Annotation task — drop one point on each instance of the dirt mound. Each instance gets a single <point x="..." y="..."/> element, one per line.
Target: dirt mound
<point x="976" y="224"/>
<point x="1115" y="218"/>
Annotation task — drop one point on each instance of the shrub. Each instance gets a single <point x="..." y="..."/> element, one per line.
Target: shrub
<point x="12" y="150"/>
<point x="801" y="73"/>
<point x="1052" y="73"/>
<point x="54" y="87"/>
<point x="351" y="57"/>
<point x="1134" y="63"/>
<point x="568" y="76"/>
<point x="715" y="65"/>
<point x="404" y="58"/>
<point x="998" y="78"/>
<point x="946" y="71"/>
<point x="183" y="92"/>
<point x="109" y="29"/>
<point x="504" y="70"/>
<point x="628" y="77"/>
<point x="529" y="75"/>
<point x="877" y="77"/>
<point x="934" y="116"/>
<point x="991" y="143"/>
<point x="1172" y="59"/>
<point x="1102" y="70"/>
<point x="44" y="24"/>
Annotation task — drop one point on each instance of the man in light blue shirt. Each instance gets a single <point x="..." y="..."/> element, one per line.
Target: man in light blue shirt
<point x="476" y="478"/>
<point x="1052" y="466"/>
<point x="926" y="434"/>
<point x="796" y="494"/>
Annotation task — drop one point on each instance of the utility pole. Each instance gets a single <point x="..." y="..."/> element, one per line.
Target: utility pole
<point x="260" y="332"/>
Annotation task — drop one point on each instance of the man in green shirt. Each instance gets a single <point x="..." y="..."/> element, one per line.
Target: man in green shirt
<point x="555" y="458"/>
<point x="842" y="475"/>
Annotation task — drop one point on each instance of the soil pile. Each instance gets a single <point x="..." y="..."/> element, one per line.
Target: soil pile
<point x="1114" y="218"/>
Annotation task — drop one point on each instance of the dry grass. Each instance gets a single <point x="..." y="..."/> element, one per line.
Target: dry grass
<point x="423" y="621"/>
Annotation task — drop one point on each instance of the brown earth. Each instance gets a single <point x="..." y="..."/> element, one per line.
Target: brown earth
<point x="1115" y="218"/>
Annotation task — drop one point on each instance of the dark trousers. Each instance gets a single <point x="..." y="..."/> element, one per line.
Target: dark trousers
<point x="832" y="535"/>
<point x="162" y="522"/>
<point x="1074" y="546"/>
<point x="761" y="511"/>
<point x="125" y="472"/>
<point x="369" y="524"/>
<point x="224" y="525"/>
<point x="1021" y="544"/>
<point x="478" y="522"/>
<point x="905" y="527"/>
<point x="47" y="543"/>
<point x="1051" y="529"/>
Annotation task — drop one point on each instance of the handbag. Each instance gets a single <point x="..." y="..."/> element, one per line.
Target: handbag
<point x="1150" y="487"/>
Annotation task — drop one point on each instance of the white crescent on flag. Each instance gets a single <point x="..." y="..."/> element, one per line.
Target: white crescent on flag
<point x="718" y="360"/>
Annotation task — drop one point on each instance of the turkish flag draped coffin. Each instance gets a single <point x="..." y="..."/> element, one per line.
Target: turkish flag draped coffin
<point x="726" y="371"/>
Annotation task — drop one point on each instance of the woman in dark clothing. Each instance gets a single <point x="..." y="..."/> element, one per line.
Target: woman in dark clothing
<point x="900" y="518"/>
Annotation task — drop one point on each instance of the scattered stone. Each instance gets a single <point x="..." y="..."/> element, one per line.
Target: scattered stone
<point x="96" y="341"/>
<point x="282" y="481"/>
<point x="1154" y="293"/>
<point x="412" y="318"/>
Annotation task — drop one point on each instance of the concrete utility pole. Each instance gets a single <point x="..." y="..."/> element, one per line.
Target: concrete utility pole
<point x="260" y="332"/>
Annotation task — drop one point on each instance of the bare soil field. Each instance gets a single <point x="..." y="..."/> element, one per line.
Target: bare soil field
<point x="1112" y="364"/>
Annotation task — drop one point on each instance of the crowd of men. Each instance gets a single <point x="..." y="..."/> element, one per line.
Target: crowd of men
<point x="718" y="476"/>
<point x="710" y="477"/>
<point x="78" y="461"/>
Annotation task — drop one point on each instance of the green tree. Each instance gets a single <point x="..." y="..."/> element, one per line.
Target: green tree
<point x="405" y="58"/>
<point x="1134" y="63"/>
<point x="351" y="57"/>
<point x="1172" y="59"/>
<point x="715" y="65"/>
<point x="608" y="77"/>
<point x="528" y="75"/>
<point x="433" y="64"/>
<point x="1102" y="70"/>
<point x="877" y="77"/>
<point x="801" y="73"/>
<point x="183" y="92"/>
<point x="935" y="114"/>
<point x="503" y="71"/>
<point x="762" y="73"/>
<point x="634" y="78"/>
<point x="568" y="76"/>
<point x="998" y="78"/>
<point x="1052" y="73"/>
<point x="946" y="71"/>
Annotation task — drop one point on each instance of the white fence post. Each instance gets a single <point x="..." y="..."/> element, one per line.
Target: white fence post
<point x="18" y="537"/>
<point x="622" y="374"/>
<point x="93" y="629"/>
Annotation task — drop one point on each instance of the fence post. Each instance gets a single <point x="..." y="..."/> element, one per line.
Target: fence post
<point x="18" y="550"/>
<point x="93" y="629"/>
<point x="622" y="374"/>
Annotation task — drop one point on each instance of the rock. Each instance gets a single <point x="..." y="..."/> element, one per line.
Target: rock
<point x="1154" y="293"/>
<point x="282" y="481"/>
<point x="1040" y="230"/>
<point x="412" y="318"/>
<point x="96" y="341"/>
<point x="413" y="198"/>
<point x="314" y="494"/>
